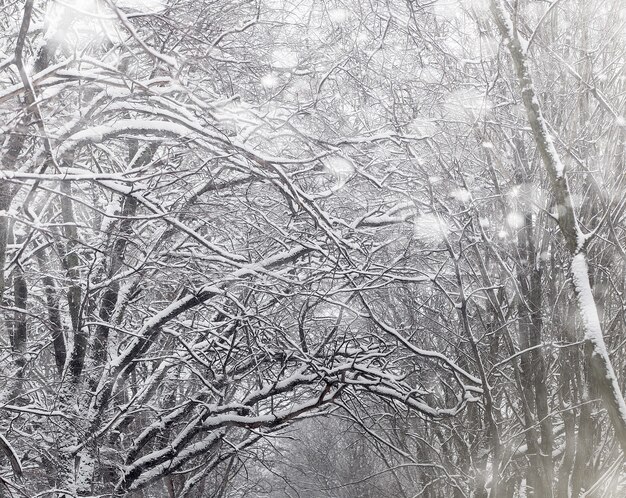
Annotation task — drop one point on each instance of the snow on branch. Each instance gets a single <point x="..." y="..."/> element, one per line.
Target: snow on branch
<point x="12" y="456"/>
<point x="603" y="373"/>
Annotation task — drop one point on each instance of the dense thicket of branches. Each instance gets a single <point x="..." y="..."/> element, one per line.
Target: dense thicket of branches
<point x="400" y="220"/>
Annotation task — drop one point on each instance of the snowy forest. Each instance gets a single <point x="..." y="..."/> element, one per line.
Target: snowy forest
<point x="312" y="248"/>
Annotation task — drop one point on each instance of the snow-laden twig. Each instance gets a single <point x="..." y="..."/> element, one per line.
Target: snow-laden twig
<point x="12" y="456"/>
<point x="167" y="59"/>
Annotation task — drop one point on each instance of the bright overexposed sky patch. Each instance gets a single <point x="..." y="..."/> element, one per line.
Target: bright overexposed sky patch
<point x="142" y="5"/>
<point x="478" y="7"/>
<point x="94" y="22"/>
<point x="452" y="9"/>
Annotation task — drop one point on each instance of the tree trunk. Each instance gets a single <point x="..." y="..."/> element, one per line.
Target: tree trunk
<point x="576" y="242"/>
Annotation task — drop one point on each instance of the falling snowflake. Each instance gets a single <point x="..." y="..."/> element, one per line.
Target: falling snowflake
<point x="514" y="192"/>
<point x="423" y="127"/>
<point x="361" y="38"/>
<point x="434" y="179"/>
<point x="431" y="228"/>
<point x="341" y="168"/>
<point x="338" y="16"/>
<point x="515" y="220"/>
<point x="461" y="195"/>
<point x="464" y="104"/>
<point x="527" y="197"/>
<point x="270" y="81"/>
<point x="284" y="59"/>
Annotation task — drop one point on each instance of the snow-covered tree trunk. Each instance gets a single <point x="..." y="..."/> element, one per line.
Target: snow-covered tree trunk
<point x="576" y="241"/>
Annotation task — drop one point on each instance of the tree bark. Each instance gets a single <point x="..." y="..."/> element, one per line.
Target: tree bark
<point x="576" y="242"/>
